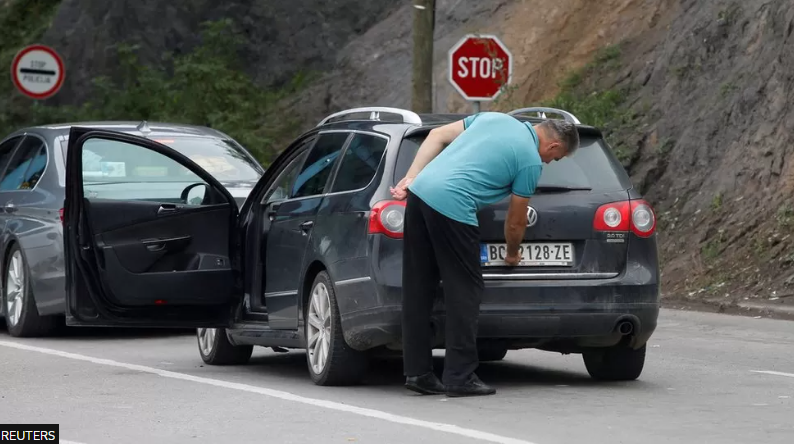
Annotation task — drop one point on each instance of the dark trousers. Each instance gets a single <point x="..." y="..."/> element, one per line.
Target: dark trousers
<point x="437" y="247"/>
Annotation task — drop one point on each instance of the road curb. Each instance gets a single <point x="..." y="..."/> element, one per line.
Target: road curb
<point x="770" y="310"/>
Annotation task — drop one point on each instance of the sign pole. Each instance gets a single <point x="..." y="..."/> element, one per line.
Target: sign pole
<point x="476" y="104"/>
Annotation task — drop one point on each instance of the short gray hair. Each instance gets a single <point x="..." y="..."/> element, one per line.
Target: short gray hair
<point x="564" y="132"/>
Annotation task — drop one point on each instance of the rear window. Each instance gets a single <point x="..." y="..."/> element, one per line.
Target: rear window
<point x="592" y="166"/>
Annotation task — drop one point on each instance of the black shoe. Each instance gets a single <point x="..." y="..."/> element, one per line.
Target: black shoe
<point x="472" y="387"/>
<point x="427" y="384"/>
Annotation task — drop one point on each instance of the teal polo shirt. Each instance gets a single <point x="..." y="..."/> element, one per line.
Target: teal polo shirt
<point x="496" y="155"/>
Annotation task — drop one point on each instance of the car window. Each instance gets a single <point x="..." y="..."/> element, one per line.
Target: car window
<point x="223" y="159"/>
<point x="316" y="170"/>
<point x="591" y="166"/>
<point x="6" y="150"/>
<point x="27" y="157"/>
<point x="286" y="179"/>
<point x="123" y="171"/>
<point x="359" y="162"/>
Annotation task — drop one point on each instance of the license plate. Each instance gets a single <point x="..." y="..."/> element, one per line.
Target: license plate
<point x="532" y="254"/>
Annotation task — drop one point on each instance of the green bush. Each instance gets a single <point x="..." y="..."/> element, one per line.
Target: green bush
<point x="203" y="87"/>
<point x="579" y="95"/>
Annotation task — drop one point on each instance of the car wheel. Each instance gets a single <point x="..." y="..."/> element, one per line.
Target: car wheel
<point x="491" y="354"/>
<point x="215" y="348"/>
<point x="22" y="316"/>
<point x="330" y="360"/>
<point x="615" y="363"/>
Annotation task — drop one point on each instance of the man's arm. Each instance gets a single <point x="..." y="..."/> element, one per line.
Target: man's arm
<point x="524" y="186"/>
<point x="434" y="143"/>
<point x="515" y="226"/>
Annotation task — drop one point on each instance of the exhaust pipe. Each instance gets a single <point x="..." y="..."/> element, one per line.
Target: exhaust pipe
<point x="626" y="328"/>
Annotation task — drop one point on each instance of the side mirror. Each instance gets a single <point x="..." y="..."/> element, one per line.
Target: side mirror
<point x="195" y="194"/>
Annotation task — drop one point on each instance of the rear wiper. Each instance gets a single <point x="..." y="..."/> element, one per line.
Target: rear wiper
<point x="561" y="188"/>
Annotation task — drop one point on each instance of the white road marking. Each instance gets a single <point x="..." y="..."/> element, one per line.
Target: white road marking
<point x="331" y="405"/>
<point x="61" y="441"/>
<point x="770" y="372"/>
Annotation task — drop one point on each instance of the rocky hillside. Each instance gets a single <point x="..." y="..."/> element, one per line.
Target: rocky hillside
<point x="694" y="95"/>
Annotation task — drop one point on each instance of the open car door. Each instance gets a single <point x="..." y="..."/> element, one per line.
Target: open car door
<point x="150" y="237"/>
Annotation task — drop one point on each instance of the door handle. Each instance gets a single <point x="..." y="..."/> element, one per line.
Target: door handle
<point x="306" y="226"/>
<point x="10" y="208"/>
<point x="161" y="244"/>
<point x="166" y="208"/>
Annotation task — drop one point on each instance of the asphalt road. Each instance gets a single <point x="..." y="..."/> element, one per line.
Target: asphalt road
<point x="708" y="379"/>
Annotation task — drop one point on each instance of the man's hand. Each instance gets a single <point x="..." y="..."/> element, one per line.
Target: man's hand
<point x="512" y="260"/>
<point x="400" y="191"/>
<point x="515" y="225"/>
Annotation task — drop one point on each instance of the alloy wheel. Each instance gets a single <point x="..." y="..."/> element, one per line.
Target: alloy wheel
<point x="206" y="338"/>
<point x="15" y="288"/>
<point x="319" y="328"/>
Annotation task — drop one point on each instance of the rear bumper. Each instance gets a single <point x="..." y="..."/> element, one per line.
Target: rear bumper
<point x="561" y="316"/>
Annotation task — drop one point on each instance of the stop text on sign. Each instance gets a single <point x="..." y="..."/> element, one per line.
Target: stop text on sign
<point x="480" y="67"/>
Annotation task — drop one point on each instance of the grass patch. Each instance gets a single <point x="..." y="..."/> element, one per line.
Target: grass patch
<point x="716" y="202"/>
<point x="785" y="215"/>
<point x="713" y="247"/>
<point x="665" y="146"/>
<point x="592" y="106"/>
<point x="727" y="88"/>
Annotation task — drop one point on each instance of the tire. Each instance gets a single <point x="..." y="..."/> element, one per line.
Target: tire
<point x="215" y="348"/>
<point x="491" y="354"/>
<point x="615" y="363"/>
<point x="337" y="364"/>
<point x="19" y="305"/>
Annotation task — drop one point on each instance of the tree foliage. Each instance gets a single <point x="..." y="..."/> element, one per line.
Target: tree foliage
<point x="202" y="87"/>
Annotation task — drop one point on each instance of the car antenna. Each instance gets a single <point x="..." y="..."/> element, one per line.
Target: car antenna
<point x="143" y="127"/>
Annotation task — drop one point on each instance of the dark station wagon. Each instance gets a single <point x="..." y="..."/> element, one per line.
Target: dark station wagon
<point x="312" y="259"/>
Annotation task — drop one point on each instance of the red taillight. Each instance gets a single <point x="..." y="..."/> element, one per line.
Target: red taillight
<point x="388" y="217"/>
<point x="60" y="213"/>
<point x="643" y="221"/>
<point x="635" y="215"/>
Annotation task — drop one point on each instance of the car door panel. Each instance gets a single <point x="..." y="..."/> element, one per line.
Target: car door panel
<point x="287" y="242"/>
<point x="146" y="260"/>
<point x="166" y="253"/>
<point x="290" y="233"/>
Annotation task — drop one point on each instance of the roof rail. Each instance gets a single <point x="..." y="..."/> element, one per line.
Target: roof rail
<point x="374" y="114"/>
<point x="541" y="111"/>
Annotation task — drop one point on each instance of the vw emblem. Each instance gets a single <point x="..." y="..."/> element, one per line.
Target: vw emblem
<point x="532" y="216"/>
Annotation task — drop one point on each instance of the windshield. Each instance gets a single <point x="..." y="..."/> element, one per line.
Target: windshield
<point x="226" y="161"/>
<point x="592" y="167"/>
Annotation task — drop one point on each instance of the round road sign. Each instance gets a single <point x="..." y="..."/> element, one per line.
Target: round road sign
<point x="479" y="67"/>
<point x="37" y="71"/>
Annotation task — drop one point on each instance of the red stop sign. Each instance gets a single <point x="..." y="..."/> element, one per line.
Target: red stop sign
<point x="479" y="67"/>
